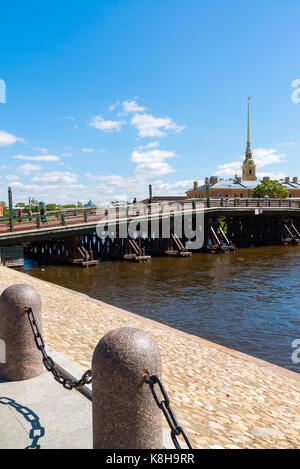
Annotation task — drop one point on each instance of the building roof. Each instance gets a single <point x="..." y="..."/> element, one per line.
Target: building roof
<point x="290" y="184"/>
<point x="235" y="184"/>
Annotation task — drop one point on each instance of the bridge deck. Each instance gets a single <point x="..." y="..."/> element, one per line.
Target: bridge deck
<point x="24" y="231"/>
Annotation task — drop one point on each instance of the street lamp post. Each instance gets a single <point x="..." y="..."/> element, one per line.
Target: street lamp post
<point x="10" y="205"/>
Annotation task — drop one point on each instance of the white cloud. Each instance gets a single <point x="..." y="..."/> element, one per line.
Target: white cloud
<point x="28" y="168"/>
<point x="116" y="187"/>
<point x="156" y="168"/>
<point x="101" y="189"/>
<point x="271" y="175"/>
<point x="58" y="193"/>
<point x="112" y="179"/>
<point x="16" y="184"/>
<point x="175" y="188"/>
<point x="66" y="154"/>
<point x="106" y="125"/>
<point x="262" y="157"/>
<point x="132" y="106"/>
<point x="148" y="146"/>
<point x="56" y="177"/>
<point x="150" y="126"/>
<point x="8" y="139"/>
<point x="151" y="163"/>
<point x="266" y="156"/>
<point x="229" y="169"/>
<point x="150" y="156"/>
<point x="12" y="177"/>
<point x="87" y="150"/>
<point x="37" y="158"/>
<point x="42" y="150"/>
<point x="112" y="107"/>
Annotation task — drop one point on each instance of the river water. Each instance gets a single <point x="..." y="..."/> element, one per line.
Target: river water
<point x="248" y="300"/>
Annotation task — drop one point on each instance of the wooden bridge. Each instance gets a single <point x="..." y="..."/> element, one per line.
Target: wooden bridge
<point x="73" y="236"/>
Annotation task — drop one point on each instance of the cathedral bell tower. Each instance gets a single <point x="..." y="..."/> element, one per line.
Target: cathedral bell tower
<point x="249" y="167"/>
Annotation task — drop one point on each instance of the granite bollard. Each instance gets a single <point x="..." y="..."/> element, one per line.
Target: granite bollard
<point x="125" y="415"/>
<point x="22" y="358"/>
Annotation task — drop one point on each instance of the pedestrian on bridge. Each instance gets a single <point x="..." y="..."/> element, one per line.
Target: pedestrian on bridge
<point x="43" y="215"/>
<point x="29" y="212"/>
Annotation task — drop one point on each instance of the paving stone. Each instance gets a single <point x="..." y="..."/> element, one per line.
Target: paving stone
<point x="205" y="382"/>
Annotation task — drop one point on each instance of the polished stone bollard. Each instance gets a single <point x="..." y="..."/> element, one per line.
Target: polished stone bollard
<point x="125" y="415"/>
<point x="22" y="359"/>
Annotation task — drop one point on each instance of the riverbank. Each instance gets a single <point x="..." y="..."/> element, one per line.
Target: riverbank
<point x="222" y="397"/>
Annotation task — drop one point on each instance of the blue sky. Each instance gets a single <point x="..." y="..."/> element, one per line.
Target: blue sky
<point x="105" y="97"/>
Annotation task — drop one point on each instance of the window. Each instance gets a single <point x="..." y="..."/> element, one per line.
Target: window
<point x="241" y="195"/>
<point x="250" y="171"/>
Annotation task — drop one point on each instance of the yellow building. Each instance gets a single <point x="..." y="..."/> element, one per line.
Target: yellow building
<point x="239" y="186"/>
<point x="249" y="167"/>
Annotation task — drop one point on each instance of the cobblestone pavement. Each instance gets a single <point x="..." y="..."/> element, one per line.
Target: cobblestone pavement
<point x="223" y="398"/>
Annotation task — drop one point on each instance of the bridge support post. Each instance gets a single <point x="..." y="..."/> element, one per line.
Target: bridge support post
<point x="125" y="415"/>
<point x="22" y="360"/>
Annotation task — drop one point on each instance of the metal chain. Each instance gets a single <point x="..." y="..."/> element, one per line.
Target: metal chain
<point x="49" y="364"/>
<point x="164" y="405"/>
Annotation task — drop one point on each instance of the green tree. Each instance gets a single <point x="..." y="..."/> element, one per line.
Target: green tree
<point x="273" y="189"/>
<point x="51" y="207"/>
<point x="21" y="205"/>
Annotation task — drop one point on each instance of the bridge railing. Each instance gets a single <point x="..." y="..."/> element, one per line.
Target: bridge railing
<point x="73" y="216"/>
<point x="49" y="219"/>
<point x="251" y="202"/>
